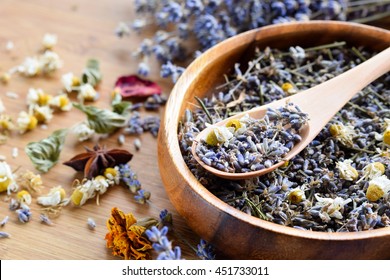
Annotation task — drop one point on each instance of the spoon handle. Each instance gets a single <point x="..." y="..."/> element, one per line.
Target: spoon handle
<point x="323" y="101"/>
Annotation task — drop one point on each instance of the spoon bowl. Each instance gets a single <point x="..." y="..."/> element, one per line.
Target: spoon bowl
<point x="321" y="103"/>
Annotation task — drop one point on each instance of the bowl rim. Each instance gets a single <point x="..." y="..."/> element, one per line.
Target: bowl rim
<point x="171" y="122"/>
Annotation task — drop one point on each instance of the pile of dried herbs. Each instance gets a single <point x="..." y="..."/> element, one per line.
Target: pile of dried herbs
<point x="340" y="182"/>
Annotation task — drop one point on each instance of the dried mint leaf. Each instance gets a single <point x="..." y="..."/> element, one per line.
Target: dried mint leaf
<point x="45" y="153"/>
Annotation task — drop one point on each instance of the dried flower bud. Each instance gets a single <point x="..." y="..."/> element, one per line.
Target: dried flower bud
<point x="218" y="135"/>
<point x="347" y="171"/>
<point x="296" y="195"/>
<point x="288" y="88"/>
<point x="236" y="124"/>
<point x="91" y="224"/>
<point x="386" y="136"/>
<point x="377" y="188"/>
<point x="24" y="197"/>
<point x="344" y="133"/>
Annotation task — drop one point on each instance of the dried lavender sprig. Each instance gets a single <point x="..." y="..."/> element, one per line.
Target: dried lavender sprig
<point x="209" y="22"/>
<point x="45" y="220"/>
<point x="162" y="245"/>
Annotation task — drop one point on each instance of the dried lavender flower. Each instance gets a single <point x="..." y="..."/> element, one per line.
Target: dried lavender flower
<point x="4" y="221"/>
<point x="4" y="234"/>
<point x="91" y="224"/>
<point x="209" y="22"/>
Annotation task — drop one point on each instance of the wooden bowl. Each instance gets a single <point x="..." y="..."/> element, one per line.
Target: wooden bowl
<point x="233" y="232"/>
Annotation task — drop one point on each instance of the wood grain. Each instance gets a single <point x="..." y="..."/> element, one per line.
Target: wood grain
<point x="85" y="29"/>
<point x="249" y="237"/>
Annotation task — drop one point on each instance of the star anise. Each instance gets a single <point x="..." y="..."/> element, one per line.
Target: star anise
<point x="95" y="161"/>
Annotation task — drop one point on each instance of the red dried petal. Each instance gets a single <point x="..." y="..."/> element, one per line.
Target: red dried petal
<point x="134" y="86"/>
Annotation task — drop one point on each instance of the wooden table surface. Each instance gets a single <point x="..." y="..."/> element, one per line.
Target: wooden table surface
<point x="85" y="29"/>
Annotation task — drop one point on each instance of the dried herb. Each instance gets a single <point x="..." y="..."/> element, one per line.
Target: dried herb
<point x="91" y="74"/>
<point x="340" y="182"/>
<point x="96" y="160"/>
<point x="122" y="107"/>
<point x="102" y="120"/>
<point x="126" y="236"/>
<point x="45" y="153"/>
<point x="133" y="86"/>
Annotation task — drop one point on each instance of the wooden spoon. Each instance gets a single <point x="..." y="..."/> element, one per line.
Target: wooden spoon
<point x="321" y="103"/>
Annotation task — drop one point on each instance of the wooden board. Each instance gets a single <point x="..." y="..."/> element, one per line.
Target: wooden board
<point x="85" y="29"/>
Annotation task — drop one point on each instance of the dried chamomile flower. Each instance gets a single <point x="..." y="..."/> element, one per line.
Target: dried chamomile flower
<point x="50" y="62"/>
<point x="55" y="197"/>
<point x="218" y="134"/>
<point x="82" y="131"/>
<point x="24" y="214"/>
<point x="344" y="133"/>
<point x="26" y="122"/>
<point x="87" y="93"/>
<point x="38" y="96"/>
<point x="24" y="197"/>
<point x="288" y="88"/>
<point x="6" y="122"/>
<point x="236" y="124"/>
<point x="347" y="171"/>
<point x="113" y="174"/>
<point x="61" y="102"/>
<point x="7" y="180"/>
<point x="331" y="208"/>
<point x="377" y="188"/>
<point x="70" y="82"/>
<point x="45" y="153"/>
<point x="385" y="137"/>
<point x="88" y="189"/>
<point x="30" y="67"/>
<point x="296" y="195"/>
<point x="43" y="114"/>
<point x="49" y="41"/>
<point x="372" y="170"/>
<point x="30" y="181"/>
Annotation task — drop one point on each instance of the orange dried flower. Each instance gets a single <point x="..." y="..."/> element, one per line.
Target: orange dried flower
<point x="126" y="236"/>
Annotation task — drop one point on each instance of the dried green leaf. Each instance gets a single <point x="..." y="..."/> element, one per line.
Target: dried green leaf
<point x="102" y="120"/>
<point x="121" y="108"/>
<point x="91" y="74"/>
<point x="45" y="153"/>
